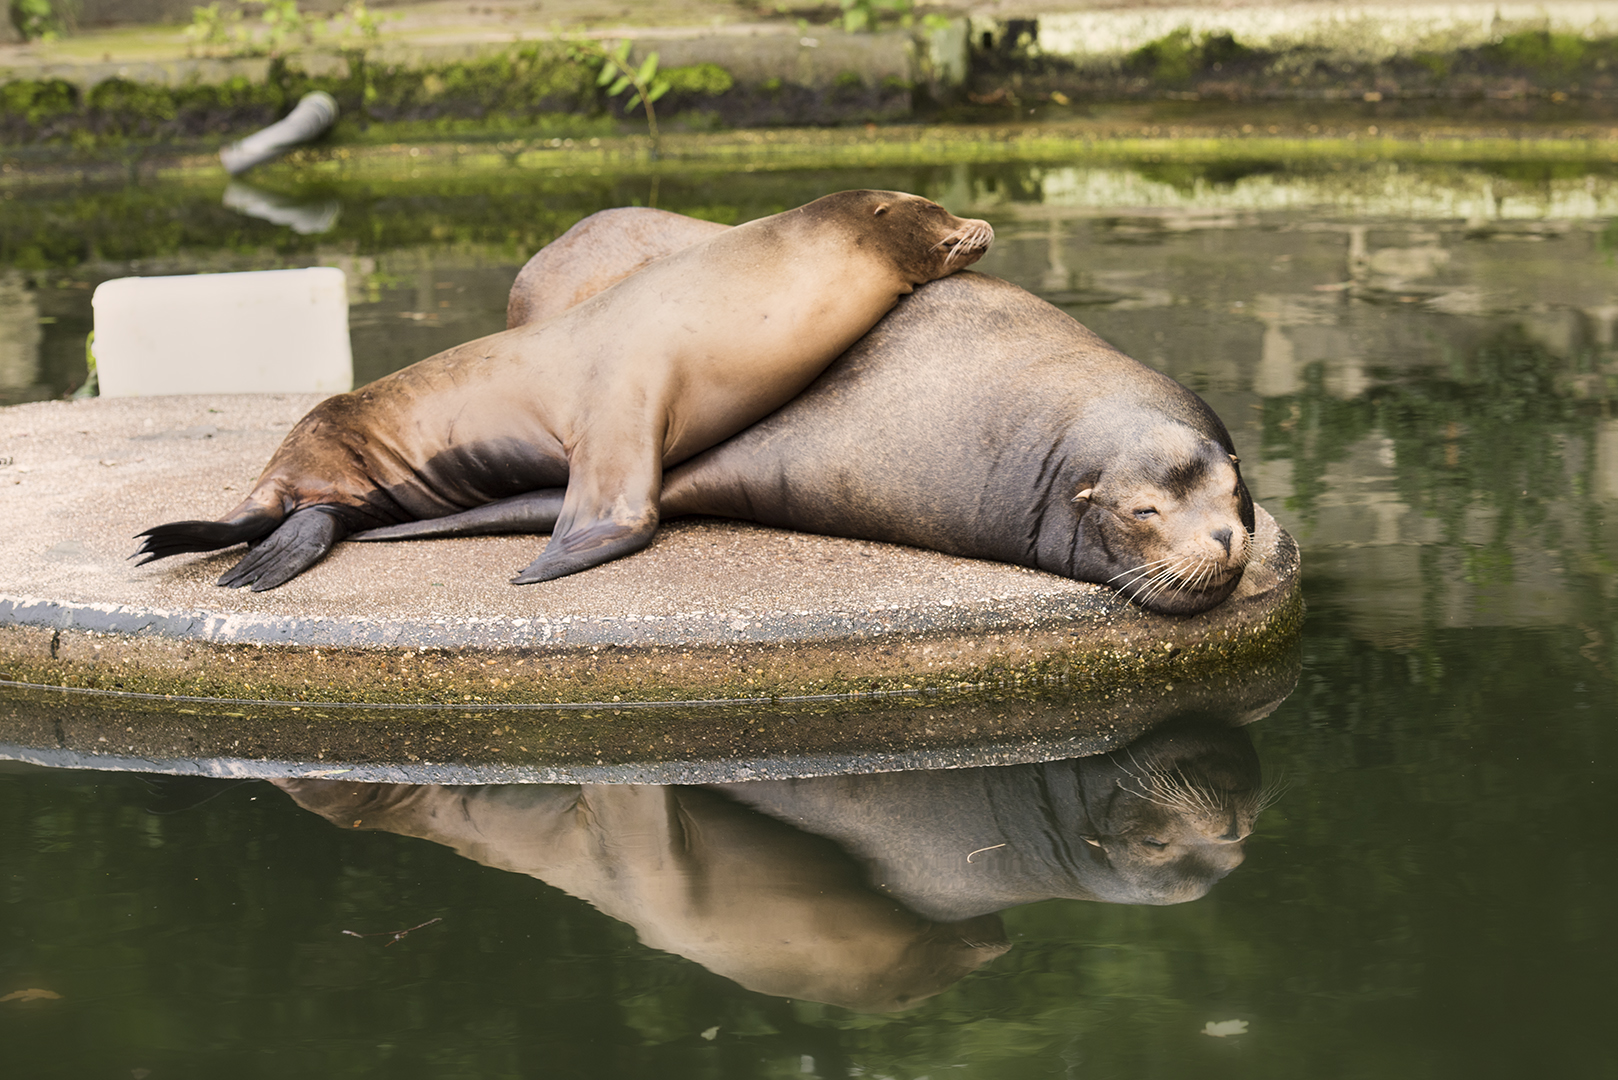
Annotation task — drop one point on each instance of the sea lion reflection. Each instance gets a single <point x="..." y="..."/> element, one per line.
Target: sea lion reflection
<point x="870" y="892"/>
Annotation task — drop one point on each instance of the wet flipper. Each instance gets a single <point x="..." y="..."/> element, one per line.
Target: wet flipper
<point x="531" y="512"/>
<point x="610" y="506"/>
<point x="180" y="537"/>
<point x="581" y="549"/>
<point x="301" y="541"/>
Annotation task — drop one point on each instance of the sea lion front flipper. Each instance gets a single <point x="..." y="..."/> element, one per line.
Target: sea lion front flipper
<point x="530" y="512"/>
<point x="610" y="510"/>
<point x="300" y="542"/>
<point x="582" y="548"/>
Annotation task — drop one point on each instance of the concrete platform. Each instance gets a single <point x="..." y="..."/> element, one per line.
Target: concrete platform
<point x="648" y="744"/>
<point x="715" y="612"/>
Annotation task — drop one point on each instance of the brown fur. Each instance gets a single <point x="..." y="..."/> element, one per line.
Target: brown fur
<point x="596" y="401"/>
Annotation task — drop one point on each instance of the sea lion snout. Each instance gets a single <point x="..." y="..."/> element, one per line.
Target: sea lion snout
<point x="1174" y="521"/>
<point x="967" y="244"/>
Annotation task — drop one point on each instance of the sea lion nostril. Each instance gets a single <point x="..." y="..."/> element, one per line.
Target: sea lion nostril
<point x="1222" y="536"/>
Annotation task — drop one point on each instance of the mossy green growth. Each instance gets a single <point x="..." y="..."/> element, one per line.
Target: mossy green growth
<point x="522" y="82"/>
<point x="1178" y="56"/>
<point x="502" y="91"/>
<point x="707" y="80"/>
<point x="1546" y="53"/>
<point x="36" y="101"/>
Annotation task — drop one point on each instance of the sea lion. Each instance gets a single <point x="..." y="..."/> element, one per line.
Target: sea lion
<point x="599" y="251"/>
<point x="598" y="400"/>
<point x="975" y="419"/>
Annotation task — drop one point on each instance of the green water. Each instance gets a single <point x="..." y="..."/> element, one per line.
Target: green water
<point x="1419" y="367"/>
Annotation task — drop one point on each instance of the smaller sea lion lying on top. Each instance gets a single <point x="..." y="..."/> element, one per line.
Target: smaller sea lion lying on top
<point x="596" y="402"/>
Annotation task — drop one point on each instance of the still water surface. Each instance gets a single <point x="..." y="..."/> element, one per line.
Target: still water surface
<point x="1420" y="370"/>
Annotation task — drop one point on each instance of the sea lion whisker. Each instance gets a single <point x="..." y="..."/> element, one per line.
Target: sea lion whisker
<point x="1154" y="587"/>
<point x="1172" y="790"/>
<point x="1271" y="793"/>
<point x="1189" y="795"/>
<point x="1153" y="780"/>
<point x="1148" y="794"/>
<point x="1164" y="579"/>
<point x="974" y="236"/>
<point x="1142" y="568"/>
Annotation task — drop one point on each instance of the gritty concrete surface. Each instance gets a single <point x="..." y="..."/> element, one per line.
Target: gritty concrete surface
<point x="711" y="612"/>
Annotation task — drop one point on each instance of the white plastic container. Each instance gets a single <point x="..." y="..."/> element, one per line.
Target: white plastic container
<point x="266" y="331"/>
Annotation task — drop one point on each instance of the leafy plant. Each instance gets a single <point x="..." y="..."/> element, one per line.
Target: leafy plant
<point x="865" y="15"/>
<point x="40" y="20"/>
<point x="280" y="26"/>
<point x="1541" y="51"/>
<point x="619" y="75"/>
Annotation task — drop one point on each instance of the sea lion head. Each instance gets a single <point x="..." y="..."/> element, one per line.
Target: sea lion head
<point x="1168" y="521"/>
<point x="925" y="241"/>
<point x="1168" y="816"/>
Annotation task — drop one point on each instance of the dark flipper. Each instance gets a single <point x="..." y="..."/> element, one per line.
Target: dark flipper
<point x="297" y="545"/>
<point x="581" y="549"/>
<point x="531" y="512"/>
<point x="178" y="537"/>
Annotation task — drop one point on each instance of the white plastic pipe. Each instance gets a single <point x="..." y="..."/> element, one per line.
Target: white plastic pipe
<point x="314" y="113"/>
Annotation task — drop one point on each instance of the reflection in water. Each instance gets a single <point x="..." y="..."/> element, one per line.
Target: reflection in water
<point x="872" y="892"/>
<point x="306" y="217"/>
<point x="19" y="335"/>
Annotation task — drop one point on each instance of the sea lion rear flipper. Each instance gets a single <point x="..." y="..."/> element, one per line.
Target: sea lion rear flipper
<point x="298" y="544"/>
<point x="530" y="512"/>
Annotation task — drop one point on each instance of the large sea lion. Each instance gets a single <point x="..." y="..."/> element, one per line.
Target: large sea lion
<point x="596" y="402"/>
<point x="975" y="419"/>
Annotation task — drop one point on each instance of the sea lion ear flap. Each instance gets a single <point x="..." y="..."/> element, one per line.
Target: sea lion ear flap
<point x="881" y="208"/>
<point x="1234" y="460"/>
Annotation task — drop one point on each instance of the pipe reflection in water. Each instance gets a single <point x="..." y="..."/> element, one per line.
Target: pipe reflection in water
<point x="873" y="891"/>
<point x="306" y="217"/>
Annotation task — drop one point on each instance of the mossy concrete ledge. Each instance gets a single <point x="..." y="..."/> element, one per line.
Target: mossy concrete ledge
<point x="711" y="612"/>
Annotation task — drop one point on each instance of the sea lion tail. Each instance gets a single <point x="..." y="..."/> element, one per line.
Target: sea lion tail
<point x="282" y="545"/>
<point x="179" y="537"/>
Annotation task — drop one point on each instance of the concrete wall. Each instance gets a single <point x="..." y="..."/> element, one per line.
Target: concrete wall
<point x="150" y="12"/>
<point x="1349" y="32"/>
